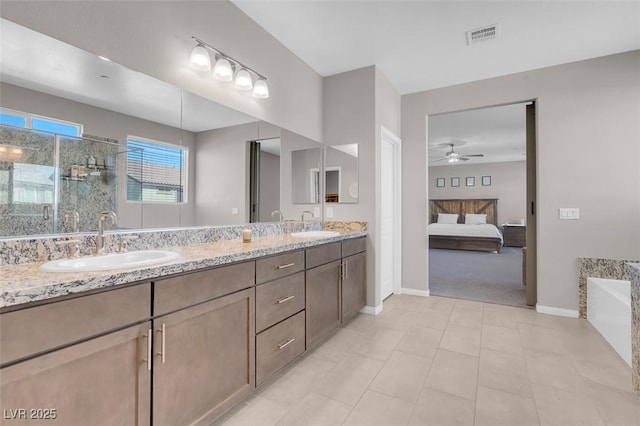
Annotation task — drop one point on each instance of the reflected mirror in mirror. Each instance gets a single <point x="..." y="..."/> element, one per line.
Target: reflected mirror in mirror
<point x="341" y="173"/>
<point x="305" y="176"/>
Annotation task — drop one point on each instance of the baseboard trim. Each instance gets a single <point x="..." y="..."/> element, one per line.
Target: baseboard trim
<point x="371" y="310"/>
<point x="414" y="292"/>
<point x="561" y="312"/>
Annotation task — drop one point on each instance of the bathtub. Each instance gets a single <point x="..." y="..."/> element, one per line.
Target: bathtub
<point x="609" y="311"/>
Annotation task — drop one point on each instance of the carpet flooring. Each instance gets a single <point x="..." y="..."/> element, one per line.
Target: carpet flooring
<point x="479" y="276"/>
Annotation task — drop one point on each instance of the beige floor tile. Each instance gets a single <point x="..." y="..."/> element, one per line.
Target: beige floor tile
<point x="378" y="343"/>
<point x="466" y="318"/>
<point x="454" y="373"/>
<point x="553" y="370"/>
<point x="440" y="303"/>
<point x="395" y="319"/>
<point x="497" y="408"/>
<point x="414" y="303"/>
<point x="338" y="345"/>
<point x="501" y="339"/>
<point x="436" y="408"/>
<point x="504" y="371"/>
<point x="420" y="341"/>
<point x="558" y="407"/>
<point x="297" y="382"/>
<point x="430" y="318"/>
<point x="316" y="410"/>
<point x="461" y="339"/>
<point x="377" y="409"/>
<point x="617" y="408"/>
<point x="468" y="305"/>
<point x="258" y="411"/>
<point x="605" y="370"/>
<point x="542" y="339"/>
<point x="402" y="376"/>
<point x="361" y="322"/>
<point x="349" y="379"/>
<point x="500" y="318"/>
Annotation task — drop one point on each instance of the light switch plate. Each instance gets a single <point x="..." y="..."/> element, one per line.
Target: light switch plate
<point x="234" y="210"/>
<point x="329" y="212"/>
<point x="569" y="213"/>
<point x="316" y="212"/>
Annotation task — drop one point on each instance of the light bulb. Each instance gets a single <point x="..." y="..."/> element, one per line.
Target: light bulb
<point x="200" y="59"/>
<point x="222" y="70"/>
<point x="260" y="89"/>
<point x="243" y="80"/>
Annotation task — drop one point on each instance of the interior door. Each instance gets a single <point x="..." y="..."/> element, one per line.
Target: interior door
<point x="531" y="257"/>
<point x="389" y="212"/>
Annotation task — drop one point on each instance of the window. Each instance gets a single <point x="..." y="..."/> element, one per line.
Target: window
<point x="36" y="122"/>
<point x="156" y="171"/>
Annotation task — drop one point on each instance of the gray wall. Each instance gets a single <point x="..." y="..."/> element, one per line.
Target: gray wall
<point x="155" y="38"/>
<point x="113" y="125"/>
<point x="587" y="115"/>
<point x="269" y="186"/>
<point x="508" y="185"/>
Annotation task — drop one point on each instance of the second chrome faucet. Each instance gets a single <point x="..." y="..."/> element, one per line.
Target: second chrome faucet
<point x="100" y="242"/>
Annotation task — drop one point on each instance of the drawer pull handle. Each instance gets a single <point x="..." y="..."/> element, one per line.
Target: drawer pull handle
<point x="288" y="265"/>
<point x="287" y="343"/>
<point x="285" y="299"/>
<point x="148" y="337"/>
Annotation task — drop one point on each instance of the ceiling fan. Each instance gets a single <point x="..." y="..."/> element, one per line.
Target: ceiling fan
<point x="454" y="156"/>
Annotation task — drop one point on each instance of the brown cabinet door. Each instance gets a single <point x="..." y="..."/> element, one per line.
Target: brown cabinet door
<point x="354" y="290"/>
<point x="322" y="301"/>
<point x="103" y="381"/>
<point x="204" y="359"/>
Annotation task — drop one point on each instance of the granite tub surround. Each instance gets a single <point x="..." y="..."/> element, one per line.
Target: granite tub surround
<point x="598" y="268"/>
<point x="634" y="272"/>
<point x="24" y="283"/>
<point x="345" y="226"/>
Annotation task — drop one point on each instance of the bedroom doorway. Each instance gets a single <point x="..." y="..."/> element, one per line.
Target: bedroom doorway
<point x="481" y="180"/>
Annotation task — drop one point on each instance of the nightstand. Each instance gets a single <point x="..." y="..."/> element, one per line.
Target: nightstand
<point x="514" y="235"/>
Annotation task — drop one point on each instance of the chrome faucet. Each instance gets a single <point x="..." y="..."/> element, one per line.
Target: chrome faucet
<point x="100" y="246"/>
<point x="304" y="225"/>
<point x="75" y="219"/>
<point x="279" y="213"/>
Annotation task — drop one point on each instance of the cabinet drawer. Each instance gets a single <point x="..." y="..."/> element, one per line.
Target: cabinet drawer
<point x="186" y="290"/>
<point x="278" y="300"/>
<point x="356" y="245"/>
<point x="41" y="328"/>
<point x="279" y="266"/>
<point x="323" y="254"/>
<point x="278" y="346"/>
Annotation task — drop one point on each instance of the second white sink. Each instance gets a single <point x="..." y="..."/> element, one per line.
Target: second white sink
<point x="315" y="234"/>
<point x="113" y="261"/>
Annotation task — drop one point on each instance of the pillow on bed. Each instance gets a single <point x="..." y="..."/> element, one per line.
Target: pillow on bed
<point x="475" y="219"/>
<point x="447" y="218"/>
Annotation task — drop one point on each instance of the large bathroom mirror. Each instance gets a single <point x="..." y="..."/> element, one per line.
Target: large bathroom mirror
<point x="305" y="176"/>
<point x="341" y="173"/>
<point x="196" y="172"/>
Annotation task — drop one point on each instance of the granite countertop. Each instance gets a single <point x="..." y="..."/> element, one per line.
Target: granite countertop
<point x="25" y="283"/>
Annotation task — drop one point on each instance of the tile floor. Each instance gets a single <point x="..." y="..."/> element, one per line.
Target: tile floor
<point x="440" y="361"/>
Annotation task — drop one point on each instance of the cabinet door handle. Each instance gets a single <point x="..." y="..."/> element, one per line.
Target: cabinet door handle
<point x="163" y="334"/>
<point x="285" y="299"/>
<point x="287" y="343"/>
<point x="149" y="337"/>
<point x="345" y="269"/>
<point x="288" y="265"/>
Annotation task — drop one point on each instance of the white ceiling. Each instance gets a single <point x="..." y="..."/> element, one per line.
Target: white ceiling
<point x="498" y="132"/>
<point x="68" y="72"/>
<point x="421" y="45"/>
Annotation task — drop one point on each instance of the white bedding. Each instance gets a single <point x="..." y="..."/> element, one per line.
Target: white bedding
<point x="462" y="230"/>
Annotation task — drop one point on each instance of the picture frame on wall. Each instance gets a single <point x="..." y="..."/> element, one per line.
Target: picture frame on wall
<point x="455" y="182"/>
<point x="471" y="181"/>
<point x="440" y="182"/>
<point x="486" y="180"/>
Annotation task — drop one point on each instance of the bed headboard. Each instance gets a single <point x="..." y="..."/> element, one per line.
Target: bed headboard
<point x="462" y="207"/>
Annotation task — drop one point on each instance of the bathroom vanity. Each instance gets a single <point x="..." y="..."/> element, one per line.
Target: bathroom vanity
<point x="166" y="347"/>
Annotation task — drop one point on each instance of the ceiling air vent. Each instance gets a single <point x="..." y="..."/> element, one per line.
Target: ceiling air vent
<point x="485" y="33"/>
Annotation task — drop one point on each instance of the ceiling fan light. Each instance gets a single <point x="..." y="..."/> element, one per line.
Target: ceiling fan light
<point x="200" y="59"/>
<point x="261" y="89"/>
<point x="243" y="80"/>
<point x="222" y="70"/>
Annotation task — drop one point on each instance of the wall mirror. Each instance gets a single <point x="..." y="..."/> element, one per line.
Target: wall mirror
<point x="341" y="173"/>
<point x="306" y="185"/>
<point x="202" y="179"/>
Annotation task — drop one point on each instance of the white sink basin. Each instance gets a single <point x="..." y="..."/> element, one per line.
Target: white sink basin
<point x="111" y="261"/>
<point x="315" y="234"/>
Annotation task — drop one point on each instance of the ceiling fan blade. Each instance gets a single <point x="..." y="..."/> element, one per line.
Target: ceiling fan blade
<point x="473" y="155"/>
<point x="463" y="159"/>
<point x="442" y="159"/>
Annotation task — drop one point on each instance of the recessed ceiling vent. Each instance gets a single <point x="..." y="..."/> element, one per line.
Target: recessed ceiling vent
<point x="481" y="34"/>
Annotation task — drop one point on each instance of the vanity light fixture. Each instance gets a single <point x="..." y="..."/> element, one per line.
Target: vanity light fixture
<point x="224" y="69"/>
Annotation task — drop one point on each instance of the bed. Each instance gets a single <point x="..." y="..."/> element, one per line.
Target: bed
<point x="461" y="236"/>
